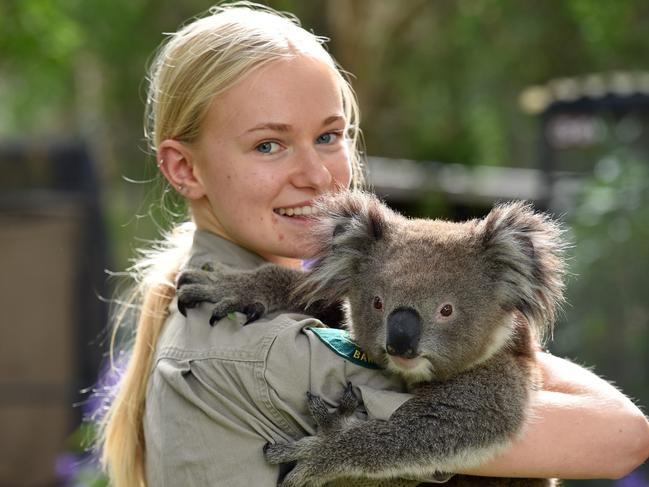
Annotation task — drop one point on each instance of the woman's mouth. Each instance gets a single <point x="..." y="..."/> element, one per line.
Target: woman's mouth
<point x="296" y="211"/>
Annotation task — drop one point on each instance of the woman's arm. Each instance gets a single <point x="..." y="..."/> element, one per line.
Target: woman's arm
<point x="582" y="427"/>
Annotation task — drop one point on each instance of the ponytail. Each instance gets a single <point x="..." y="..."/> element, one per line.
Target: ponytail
<point x="121" y="438"/>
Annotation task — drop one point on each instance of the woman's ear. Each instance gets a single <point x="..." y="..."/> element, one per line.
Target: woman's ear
<point x="176" y="162"/>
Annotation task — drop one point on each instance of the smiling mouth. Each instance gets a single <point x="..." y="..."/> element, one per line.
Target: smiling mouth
<point x="296" y="211"/>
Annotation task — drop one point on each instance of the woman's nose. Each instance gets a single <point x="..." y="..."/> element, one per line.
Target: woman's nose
<point x="312" y="170"/>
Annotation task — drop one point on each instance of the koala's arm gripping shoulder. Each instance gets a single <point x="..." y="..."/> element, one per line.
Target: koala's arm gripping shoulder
<point x="265" y="289"/>
<point x="274" y="285"/>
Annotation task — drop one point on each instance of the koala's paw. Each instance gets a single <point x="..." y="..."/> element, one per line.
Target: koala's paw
<point x="327" y="421"/>
<point x="219" y="285"/>
<point x="304" y="475"/>
<point x="308" y="470"/>
<point x="277" y="453"/>
<point x="194" y="286"/>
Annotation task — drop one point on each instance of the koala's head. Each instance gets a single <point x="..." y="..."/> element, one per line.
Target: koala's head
<point x="430" y="298"/>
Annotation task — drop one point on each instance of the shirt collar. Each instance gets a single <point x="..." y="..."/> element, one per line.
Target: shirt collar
<point x="208" y="247"/>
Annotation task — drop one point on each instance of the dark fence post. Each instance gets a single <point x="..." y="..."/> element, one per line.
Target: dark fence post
<point x="53" y="251"/>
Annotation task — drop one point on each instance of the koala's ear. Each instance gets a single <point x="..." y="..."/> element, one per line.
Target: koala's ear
<point x="348" y="225"/>
<point x="525" y="251"/>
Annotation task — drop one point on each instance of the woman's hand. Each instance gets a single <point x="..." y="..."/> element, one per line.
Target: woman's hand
<point x="580" y="427"/>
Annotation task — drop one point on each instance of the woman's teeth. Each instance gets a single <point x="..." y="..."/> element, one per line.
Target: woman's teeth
<point x="297" y="211"/>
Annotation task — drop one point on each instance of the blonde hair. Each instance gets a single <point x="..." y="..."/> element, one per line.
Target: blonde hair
<point x="195" y="65"/>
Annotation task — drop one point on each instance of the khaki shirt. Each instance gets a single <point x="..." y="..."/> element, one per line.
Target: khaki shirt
<point x="217" y="394"/>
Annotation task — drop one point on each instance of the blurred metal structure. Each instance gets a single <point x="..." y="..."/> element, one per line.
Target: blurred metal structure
<point x="404" y="180"/>
<point x="53" y="251"/>
<point x="467" y="191"/>
<point x="584" y="121"/>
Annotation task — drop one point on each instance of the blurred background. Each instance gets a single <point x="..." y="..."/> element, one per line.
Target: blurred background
<point x="465" y="103"/>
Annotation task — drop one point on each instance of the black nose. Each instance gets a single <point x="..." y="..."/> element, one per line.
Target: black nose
<point x="404" y="331"/>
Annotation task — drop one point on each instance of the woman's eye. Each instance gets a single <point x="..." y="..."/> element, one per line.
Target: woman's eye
<point x="267" y="147"/>
<point x="327" y="138"/>
<point x="446" y="310"/>
<point x="378" y="303"/>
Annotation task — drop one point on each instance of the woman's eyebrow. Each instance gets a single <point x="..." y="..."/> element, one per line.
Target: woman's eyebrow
<point x="284" y="127"/>
<point x="332" y="119"/>
<point x="277" y="127"/>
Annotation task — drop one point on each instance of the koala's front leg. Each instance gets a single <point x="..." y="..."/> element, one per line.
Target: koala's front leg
<point x="356" y="449"/>
<point x="445" y="427"/>
<point x="254" y="292"/>
<point x="309" y="470"/>
<point x="320" y="461"/>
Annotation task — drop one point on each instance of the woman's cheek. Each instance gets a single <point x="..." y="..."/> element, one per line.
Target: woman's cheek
<point x="343" y="174"/>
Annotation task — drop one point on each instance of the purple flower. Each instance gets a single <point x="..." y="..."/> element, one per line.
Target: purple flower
<point x="80" y="466"/>
<point x="79" y="471"/>
<point x="102" y="394"/>
<point x="66" y="466"/>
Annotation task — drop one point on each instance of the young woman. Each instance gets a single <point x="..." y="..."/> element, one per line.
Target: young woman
<point x="251" y="119"/>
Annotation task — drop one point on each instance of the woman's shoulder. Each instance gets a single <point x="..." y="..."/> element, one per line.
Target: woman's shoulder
<point x="209" y="248"/>
<point x="192" y="337"/>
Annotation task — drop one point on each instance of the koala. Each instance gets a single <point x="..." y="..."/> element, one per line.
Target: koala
<point x="458" y="310"/>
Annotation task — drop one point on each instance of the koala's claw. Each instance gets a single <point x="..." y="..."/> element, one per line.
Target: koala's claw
<point x="318" y="410"/>
<point x="216" y="317"/>
<point x="185" y="278"/>
<point x="348" y="402"/>
<point x="301" y="460"/>
<point x="327" y="421"/>
<point x="253" y="312"/>
<point x="227" y="306"/>
<point x="193" y="286"/>
<point x="276" y="453"/>
<point x="182" y="308"/>
<point x="189" y="296"/>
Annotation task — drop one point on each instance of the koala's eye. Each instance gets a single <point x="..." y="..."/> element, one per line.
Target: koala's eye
<point x="446" y="310"/>
<point x="378" y="303"/>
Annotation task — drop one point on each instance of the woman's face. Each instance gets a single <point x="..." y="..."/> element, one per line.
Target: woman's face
<point x="269" y="146"/>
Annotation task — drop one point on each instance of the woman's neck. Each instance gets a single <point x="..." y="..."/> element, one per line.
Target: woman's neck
<point x="205" y="220"/>
<point x="284" y="261"/>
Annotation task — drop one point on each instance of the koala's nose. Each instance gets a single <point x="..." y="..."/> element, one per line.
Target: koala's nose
<point x="404" y="331"/>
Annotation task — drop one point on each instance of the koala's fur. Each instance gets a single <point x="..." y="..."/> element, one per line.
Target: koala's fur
<point x="471" y="372"/>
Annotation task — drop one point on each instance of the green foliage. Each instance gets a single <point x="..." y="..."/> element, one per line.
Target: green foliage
<point x="37" y="47"/>
<point x="437" y="80"/>
<point x="607" y="321"/>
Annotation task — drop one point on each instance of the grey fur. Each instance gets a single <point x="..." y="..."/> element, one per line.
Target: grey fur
<point x="476" y="369"/>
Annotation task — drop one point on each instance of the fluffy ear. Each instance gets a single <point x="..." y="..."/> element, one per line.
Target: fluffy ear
<point x="525" y="250"/>
<point x="347" y="226"/>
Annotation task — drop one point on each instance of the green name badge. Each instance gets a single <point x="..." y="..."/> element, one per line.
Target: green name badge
<point x="340" y="342"/>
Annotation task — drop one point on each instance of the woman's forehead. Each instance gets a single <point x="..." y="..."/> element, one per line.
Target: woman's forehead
<point x="297" y="92"/>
